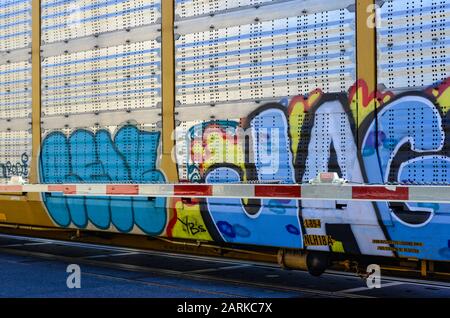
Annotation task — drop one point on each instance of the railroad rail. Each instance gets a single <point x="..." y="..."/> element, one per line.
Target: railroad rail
<point x="121" y="258"/>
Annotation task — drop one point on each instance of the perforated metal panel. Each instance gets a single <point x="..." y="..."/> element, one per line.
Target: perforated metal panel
<point x="69" y="19"/>
<point x="190" y="8"/>
<point x="15" y="154"/>
<point x="104" y="78"/>
<point x="101" y="91"/>
<point x="15" y="93"/>
<point x="413" y="43"/>
<point x="115" y="78"/>
<point x="413" y="54"/>
<point x="15" y="89"/>
<point x="200" y="145"/>
<point x="125" y="153"/>
<point x="15" y="24"/>
<point x="182" y="143"/>
<point x="413" y="137"/>
<point x="320" y="153"/>
<point x="266" y="59"/>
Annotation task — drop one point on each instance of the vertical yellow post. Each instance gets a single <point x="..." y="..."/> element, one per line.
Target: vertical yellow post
<point x="423" y="268"/>
<point x="431" y="266"/>
<point x="36" y="89"/>
<point x="366" y="55"/>
<point x="168" y="166"/>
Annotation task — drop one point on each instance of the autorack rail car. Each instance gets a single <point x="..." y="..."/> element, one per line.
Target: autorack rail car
<point x="315" y="129"/>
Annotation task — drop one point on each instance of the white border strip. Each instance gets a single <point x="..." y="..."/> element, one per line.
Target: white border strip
<point x="103" y="40"/>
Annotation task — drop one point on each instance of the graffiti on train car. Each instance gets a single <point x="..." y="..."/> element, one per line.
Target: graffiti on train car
<point x="265" y="157"/>
<point x="405" y="141"/>
<point x="9" y="169"/>
<point x="130" y="156"/>
<point x="187" y="221"/>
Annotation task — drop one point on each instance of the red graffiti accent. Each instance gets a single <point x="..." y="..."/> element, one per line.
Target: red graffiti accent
<point x="367" y="97"/>
<point x="212" y="129"/>
<point x="307" y="103"/>
<point x="202" y="143"/>
<point x="173" y="221"/>
<point x="440" y="89"/>
<point x="173" y="207"/>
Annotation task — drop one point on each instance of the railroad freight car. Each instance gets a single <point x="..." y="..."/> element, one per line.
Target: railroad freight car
<point x="207" y="121"/>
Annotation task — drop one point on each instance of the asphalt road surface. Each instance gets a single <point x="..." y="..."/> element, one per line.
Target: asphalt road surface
<point x="38" y="268"/>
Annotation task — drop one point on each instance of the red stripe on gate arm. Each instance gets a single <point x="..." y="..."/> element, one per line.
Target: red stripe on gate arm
<point x="122" y="189"/>
<point x="193" y="189"/>
<point x="11" y="188"/>
<point x="379" y="193"/>
<point x="66" y="189"/>
<point x="283" y="191"/>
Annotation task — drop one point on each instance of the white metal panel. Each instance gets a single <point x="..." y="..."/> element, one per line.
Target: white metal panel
<point x="112" y="128"/>
<point x="103" y="40"/>
<point x="182" y="144"/>
<point x="15" y="154"/>
<point x="15" y="90"/>
<point x="269" y="12"/>
<point x="102" y="62"/>
<point x="267" y="59"/>
<point x="69" y="19"/>
<point x="191" y="8"/>
<point x="15" y="24"/>
<point x="124" y="77"/>
<point x="15" y="124"/>
<point x="150" y="118"/>
<point x="17" y="55"/>
<point x="413" y="43"/>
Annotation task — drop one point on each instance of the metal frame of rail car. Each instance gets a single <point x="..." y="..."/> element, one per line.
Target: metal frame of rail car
<point x="29" y="210"/>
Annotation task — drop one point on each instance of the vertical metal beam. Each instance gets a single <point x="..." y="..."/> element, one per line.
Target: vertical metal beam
<point x="168" y="166"/>
<point x="423" y="268"/>
<point x="431" y="266"/>
<point x="366" y="53"/>
<point x="36" y="89"/>
<point x="30" y="210"/>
